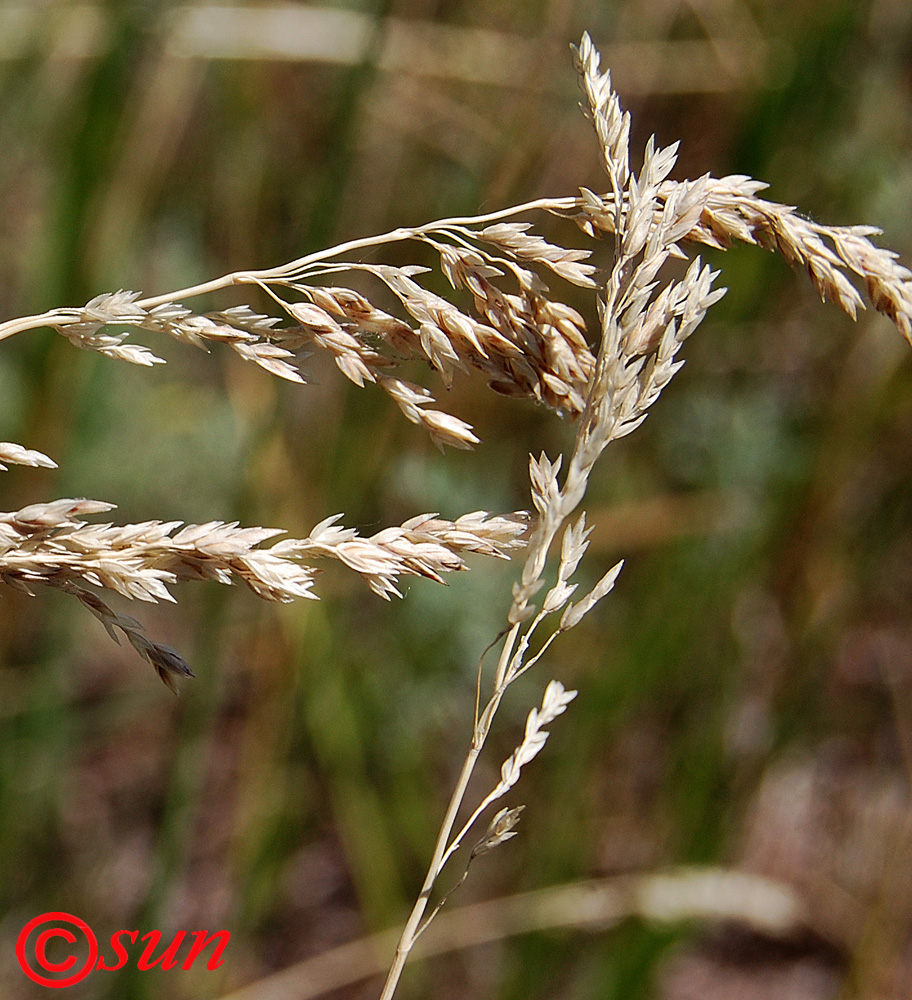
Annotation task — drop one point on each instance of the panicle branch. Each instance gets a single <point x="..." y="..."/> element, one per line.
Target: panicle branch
<point x="49" y="544"/>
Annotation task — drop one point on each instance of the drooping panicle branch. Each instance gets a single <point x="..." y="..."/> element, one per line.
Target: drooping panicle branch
<point x="49" y="544"/>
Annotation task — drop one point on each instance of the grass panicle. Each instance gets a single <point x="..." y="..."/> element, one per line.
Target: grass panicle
<point x="513" y="329"/>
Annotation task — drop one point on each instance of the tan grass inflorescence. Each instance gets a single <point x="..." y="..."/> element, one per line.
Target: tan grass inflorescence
<point x="525" y="342"/>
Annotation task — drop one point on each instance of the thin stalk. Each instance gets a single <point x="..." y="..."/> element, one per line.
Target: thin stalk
<point x="394" y="236"/>
<point x="411" y="929"/>
<point x="54" y="317"/>
<point x="13" y="326"/>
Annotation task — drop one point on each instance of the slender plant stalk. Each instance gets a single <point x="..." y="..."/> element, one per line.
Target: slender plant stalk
<point x="413" y="925"/>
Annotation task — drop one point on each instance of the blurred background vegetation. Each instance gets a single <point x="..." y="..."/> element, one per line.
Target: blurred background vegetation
<point x="746" y="692"/>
